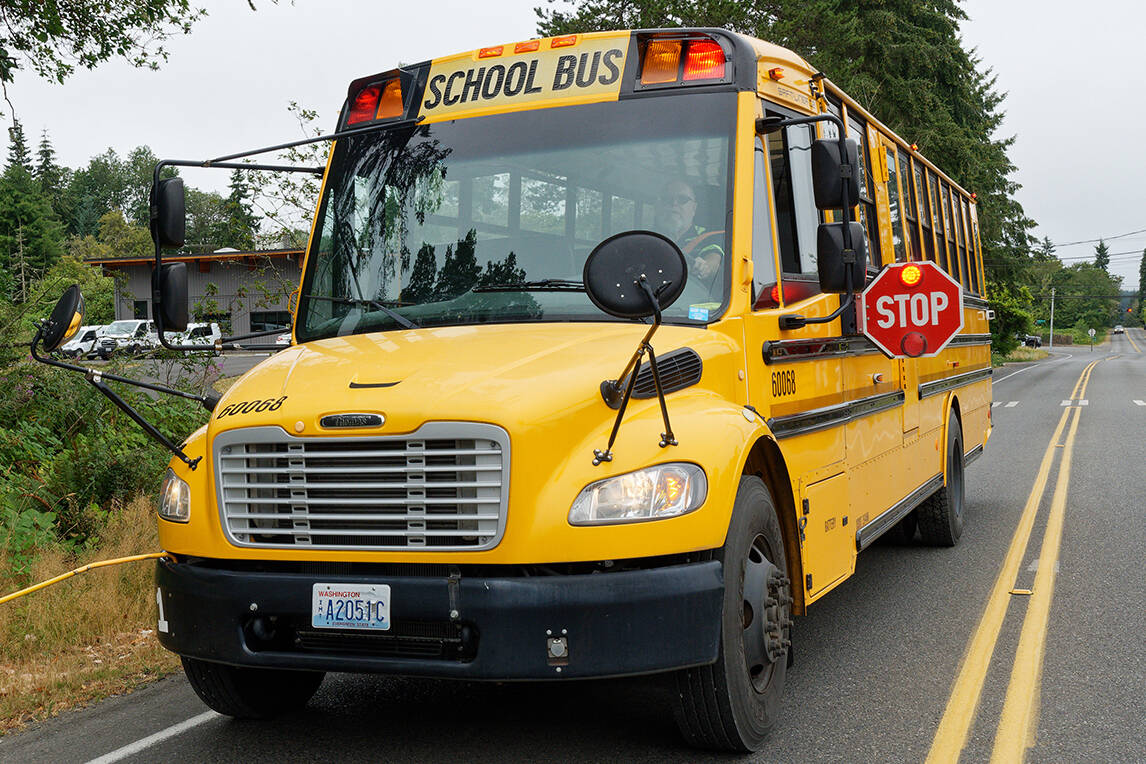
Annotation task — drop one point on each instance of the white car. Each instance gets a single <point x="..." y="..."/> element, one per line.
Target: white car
<point x="1119" y="330"/>
<point x="199" y="334"/>
<point x="132" y="335"/>
<point x="283" y="339"/>
<point x="84" y="343"/>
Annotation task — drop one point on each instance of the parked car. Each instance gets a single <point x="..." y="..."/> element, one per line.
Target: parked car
<point x="1033" y="341"/>
<point x="1119" y="330"/>
<point x="130" y="335"/>
<point x="206" y="334"/>
<point x="83" y="345"/>
<point x="283" y="339"/>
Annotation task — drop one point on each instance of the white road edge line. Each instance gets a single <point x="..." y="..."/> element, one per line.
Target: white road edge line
<point x="1011" y="404"/>
<point x="1139" y="403"/>
<point x="144" y="743"/>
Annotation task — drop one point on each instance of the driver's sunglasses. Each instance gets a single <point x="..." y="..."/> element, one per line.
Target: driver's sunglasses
<point x="677" y="199"/>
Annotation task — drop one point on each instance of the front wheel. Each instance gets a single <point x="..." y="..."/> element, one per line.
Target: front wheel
<point x="250" y="693"/>
<point x="941" y="514"/>
<point x="733" y="704"/>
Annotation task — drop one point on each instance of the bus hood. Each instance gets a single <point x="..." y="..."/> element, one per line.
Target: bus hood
<point x="514" y="375"/>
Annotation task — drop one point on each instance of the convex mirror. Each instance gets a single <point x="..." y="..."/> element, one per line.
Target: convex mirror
<point x="614" y="268"/>
<point x="66" y="319"/>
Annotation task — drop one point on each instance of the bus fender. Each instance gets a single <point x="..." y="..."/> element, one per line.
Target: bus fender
<point x="764" y="459"/>
<point x="950" y="403"/>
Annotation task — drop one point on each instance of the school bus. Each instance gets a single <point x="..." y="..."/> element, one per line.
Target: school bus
<point x="417" y="486"/>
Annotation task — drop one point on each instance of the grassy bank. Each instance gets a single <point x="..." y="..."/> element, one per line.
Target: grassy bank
<point x="87" y="637"/>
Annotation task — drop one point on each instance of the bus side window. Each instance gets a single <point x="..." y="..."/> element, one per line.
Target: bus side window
<point x="857" y="132"/>
<point x="924" y="208"/>
<point x="898" y="234"/>
<point x="940" y="249"/>
<point x="763" y="251"/>
<point x="910" y="206"/>
<point x="796" y="215"/>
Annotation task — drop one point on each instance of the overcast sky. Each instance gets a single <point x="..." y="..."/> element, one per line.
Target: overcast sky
<point x="1074" y="74"/>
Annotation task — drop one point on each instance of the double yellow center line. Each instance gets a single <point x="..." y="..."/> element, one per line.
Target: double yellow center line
<point x="1018" y="721"/>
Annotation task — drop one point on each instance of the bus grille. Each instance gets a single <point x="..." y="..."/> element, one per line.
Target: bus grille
<point x="442" y="487"/>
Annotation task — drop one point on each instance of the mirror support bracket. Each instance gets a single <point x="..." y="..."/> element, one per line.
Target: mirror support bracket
<point x="610" y="389"/>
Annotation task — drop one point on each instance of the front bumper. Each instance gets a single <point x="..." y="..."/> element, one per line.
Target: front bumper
<point x="503" y="628"/>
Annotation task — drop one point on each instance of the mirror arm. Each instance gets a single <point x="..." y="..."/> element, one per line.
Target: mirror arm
<point x="611" y="388"/>
<point x="96" y="379"/>
<point x="209" y="401"/>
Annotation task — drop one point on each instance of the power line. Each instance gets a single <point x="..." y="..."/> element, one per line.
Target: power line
<point x="1101" y="238"/>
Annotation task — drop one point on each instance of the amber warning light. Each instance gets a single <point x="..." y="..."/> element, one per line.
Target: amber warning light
<point x="910" y="275"/>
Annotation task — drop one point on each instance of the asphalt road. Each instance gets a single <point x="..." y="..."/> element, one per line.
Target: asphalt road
<point x="876" y="663"/>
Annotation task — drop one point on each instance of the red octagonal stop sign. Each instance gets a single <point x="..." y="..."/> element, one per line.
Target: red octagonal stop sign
<point x="911" y="310"/>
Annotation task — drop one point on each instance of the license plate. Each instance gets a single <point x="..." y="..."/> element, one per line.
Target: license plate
<point x="350" y="606"/>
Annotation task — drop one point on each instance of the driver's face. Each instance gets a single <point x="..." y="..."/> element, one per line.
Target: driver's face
<point x="675" y="209"/>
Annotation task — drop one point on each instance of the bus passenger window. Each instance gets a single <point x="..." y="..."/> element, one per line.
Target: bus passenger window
<point x="961" y="235"/>
<point x="949" y="232"/>
<point x="937" y="226"/>
<point x="867" y="216"/>
<point x="910" y="207"/>
<point x="924" y="208"/>
<point x="763" y="253"/>
<point x="897" y="237"/>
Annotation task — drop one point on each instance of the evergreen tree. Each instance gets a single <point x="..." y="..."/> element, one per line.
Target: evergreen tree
<point x="421" y="286"/>
<point x="52" y="178"/>
<point x="18" y="155"/>
<point x="1102" y="255"/>
<point x="1142" y="281"/>
<point x="29" y="232"/>
<point x="241" y="224"/>
<point x="1045" y="251"/>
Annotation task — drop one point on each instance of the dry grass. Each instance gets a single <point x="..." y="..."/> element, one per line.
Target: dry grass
<point x="1024" y="353"/>
<point x="87" y="637"/>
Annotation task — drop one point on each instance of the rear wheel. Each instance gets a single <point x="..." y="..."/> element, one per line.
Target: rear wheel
<point x="941" y="515"/>
<point x="250" y="693"/>
<point x="733" y="704"/>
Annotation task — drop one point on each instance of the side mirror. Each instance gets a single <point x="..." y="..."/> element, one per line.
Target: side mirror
<point x="827" y="181"/>
<point x="66" y="319"/>
<point x="170" y="282"/>
<point x="830" y="257"/>
<point x="615" y="266"/>
<point x="168" y="213"/>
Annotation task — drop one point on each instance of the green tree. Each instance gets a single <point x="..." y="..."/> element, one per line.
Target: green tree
<point x="53" y="38"/>
<point x="53" y="178"/>
<point x="18" y="155"/>
<point x="1102" y="255"/>
<point x="241" y="224"/>
<point x="1142" y="281"/>
<point x="29" y="231"/>
<point x="124" y="239"/>
<point x="95" y="190"/>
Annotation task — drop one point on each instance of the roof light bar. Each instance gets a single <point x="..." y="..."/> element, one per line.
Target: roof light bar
<point x="682" y="60"/>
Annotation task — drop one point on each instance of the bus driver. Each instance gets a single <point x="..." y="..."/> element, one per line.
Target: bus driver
<point x="675" y="212"/>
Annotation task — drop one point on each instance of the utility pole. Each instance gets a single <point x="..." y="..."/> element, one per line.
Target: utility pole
<point x="1051" y="345"/>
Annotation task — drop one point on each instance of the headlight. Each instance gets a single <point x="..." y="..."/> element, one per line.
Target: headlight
<point x="654" y="493"/>
<point x="175" y="498"/>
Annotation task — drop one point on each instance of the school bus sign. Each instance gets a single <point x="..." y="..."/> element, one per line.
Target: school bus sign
<point x="911" y="310"/>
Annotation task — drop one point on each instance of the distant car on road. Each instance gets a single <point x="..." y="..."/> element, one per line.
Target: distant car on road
<point x="1033" y="341"/>
<point x="1119" y="330"/>
<point x="206" y="334"/>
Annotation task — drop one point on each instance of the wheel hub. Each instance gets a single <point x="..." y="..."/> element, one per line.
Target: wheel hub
<point x="766" y="608"/>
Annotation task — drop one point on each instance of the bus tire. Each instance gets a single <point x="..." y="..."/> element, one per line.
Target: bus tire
<point x="941" y="514"/>
<point x="250" y="693"/>
<point x="732" y="704"/>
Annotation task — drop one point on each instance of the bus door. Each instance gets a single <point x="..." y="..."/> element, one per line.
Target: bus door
<point x="795" y="378"/>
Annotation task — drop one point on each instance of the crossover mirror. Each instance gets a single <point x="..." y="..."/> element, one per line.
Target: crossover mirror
<point x="616" y="268"/>
<point x="66" y="319"/>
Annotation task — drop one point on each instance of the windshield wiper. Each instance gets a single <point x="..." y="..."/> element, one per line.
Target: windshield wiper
<point x="405" y="322"/>
<point x="544" y="285"/>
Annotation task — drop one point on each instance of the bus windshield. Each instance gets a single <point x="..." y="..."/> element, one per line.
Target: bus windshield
<point x="490" y="219"/>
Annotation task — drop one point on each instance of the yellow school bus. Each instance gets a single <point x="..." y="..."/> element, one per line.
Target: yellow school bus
<point x="467" y="464"/>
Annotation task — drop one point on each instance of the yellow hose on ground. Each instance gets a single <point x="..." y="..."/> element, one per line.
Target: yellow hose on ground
<point x="82" y="569"/>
